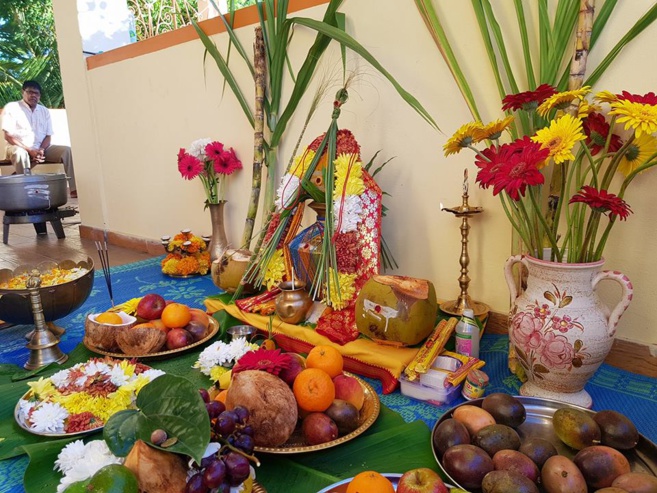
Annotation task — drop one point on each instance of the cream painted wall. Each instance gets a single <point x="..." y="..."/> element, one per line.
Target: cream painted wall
<point x="129" y="119"/>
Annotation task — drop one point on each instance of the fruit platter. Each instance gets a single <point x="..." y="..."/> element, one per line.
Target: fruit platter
<point x="80" y="399"/>
<point x="414" y="481"/>
<point x="531" y="445"/>
<point x="157" y="329"/>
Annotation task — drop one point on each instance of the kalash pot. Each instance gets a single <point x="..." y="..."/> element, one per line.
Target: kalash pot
<point x="22" y="193"/>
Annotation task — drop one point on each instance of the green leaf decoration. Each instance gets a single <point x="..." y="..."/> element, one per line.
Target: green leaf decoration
<point x="565" y="301"/>
<point x="170" y="403"/>
<point x="550" y="297"/>
<point x="120" y="431"/>
<point x="540" y="369"/>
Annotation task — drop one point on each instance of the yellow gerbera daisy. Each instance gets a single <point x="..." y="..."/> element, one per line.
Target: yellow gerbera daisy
<point x="606" y="97"/>
<point x="560" y="137"/>
<point x="585" y="109"/>
<point x="637" y="153"/>
<point x="348" y="170"/>
<point x="492" y="130"/>
<point x="301" y="163"/>
<point x="463" y="137"/>
<point x="641" y="117"/>
<point x="561" y="100"/>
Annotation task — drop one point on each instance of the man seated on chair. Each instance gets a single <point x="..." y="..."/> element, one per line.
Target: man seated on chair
<point x="28" y="128"/>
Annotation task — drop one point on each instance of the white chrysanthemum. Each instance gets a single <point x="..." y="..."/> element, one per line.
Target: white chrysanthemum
<point x="118" y="376"/>
<point x="152" y="374"/>
<point x="48" y="418"/>
<point x="222" y="354"/>
<point x="287" y="191"/>
<point x="197" y="148"/>
<point x="96" y="456"/>
<point x="81" y="381"/>
<point x="70" y="454"/>
<point x="347" y="213"/>
<point x="238" y="348"/>
<point x="24" y="408"/>
<point x="60" y="379"/>
<point x="93" y="368"/>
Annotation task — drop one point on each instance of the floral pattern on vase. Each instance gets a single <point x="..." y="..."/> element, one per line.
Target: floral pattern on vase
<point x="559" y="329"/>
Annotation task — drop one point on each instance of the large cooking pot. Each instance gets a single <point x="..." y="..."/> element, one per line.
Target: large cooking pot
<point x="20" y="193"/>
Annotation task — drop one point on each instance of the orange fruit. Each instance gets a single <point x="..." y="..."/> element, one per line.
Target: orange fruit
<point x="369" y="482"/>
<point x="325" y="358"/>
<point x="314" y="390"/>
<point x="221" y="396"/>
<point x="176" y="315"/>
<point x="109" y="318"/>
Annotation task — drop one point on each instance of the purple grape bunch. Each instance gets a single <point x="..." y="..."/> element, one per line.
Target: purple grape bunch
<point x="229" y="466"/>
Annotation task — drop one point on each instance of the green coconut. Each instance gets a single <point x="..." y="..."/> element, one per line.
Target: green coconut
<point x="396" y="309"/>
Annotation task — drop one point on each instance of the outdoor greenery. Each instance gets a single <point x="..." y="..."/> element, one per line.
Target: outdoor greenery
<point x="28" y="50"/>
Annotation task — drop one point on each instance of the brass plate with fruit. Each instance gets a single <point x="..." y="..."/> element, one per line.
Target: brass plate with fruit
<point x="538" y="424"/>
<point x="368" y="414"/>
<point x="213" y="328"/>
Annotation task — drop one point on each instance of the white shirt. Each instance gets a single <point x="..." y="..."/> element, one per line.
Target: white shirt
<point x="30" y="127"/>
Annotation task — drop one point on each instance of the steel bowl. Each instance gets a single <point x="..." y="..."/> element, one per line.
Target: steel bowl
<point x="57" y="301"/>
<point x="21" y="193"/>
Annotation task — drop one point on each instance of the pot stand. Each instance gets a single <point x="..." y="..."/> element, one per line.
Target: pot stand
<point x="39" y="219"/>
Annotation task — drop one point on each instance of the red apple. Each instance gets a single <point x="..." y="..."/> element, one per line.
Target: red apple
<point x="150" y="306"/>
<point x="296" y="366"/>
<point x="421" y="480"/>
<point x="178" y="338"/>
<point x="349" y="389"/>
<point x="318" y="428"/>
<point x="199" y="315"/>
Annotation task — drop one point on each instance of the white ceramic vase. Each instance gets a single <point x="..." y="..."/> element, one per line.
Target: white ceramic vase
<point x="560" y="330"/>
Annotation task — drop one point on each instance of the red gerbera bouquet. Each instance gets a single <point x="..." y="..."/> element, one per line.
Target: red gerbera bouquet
<point x="554" y="182"/>
<point x="211" y="162"/>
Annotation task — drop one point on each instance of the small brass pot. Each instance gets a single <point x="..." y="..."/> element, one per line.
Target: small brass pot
<point x="293" y="303"/>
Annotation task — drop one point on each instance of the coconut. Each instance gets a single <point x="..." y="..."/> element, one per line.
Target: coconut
<point x="137" y="341"/>
<point x="271" y="404"/>
<point x="102" y="335"/>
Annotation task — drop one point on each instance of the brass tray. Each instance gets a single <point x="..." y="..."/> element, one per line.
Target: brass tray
<point x="643" y="458"/>
<point x="341" y="486"/>
<point x="257" y="488"/>
<point x="214" y="328"/>
<point x="368" y="415"/>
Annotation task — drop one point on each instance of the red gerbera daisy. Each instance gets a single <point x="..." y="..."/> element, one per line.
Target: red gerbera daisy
<point x="227" y="162"/>
<point x="181" y="154"/>
<point x="528" y="100"/>
<point x="520" y="170"/>
<point x="602" y="201"/>
<point x="596" y="129"/>
<point x="189" y="166"/>
<point x="498" y="157"/>
<point x="345" y="143"/>
<point x="269" y="360"/>
<point x="649" y="98"/>
<point x="214" y="150"/>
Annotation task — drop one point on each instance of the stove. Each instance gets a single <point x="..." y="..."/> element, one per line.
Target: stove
<point x="39" y="218"/>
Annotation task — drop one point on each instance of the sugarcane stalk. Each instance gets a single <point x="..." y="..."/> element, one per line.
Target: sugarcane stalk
<point x="575" y="81"/>
<point x="260" y="68"/>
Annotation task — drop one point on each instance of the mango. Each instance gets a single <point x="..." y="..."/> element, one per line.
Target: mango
<point x="493" y="438"/>
<point x="512" y="460"/>
<point x="575" y="428"/>
<point x="506" y="482"/>
<point x="616" y="429"/>
<point x="113" y="478"/>
<point x="560" y="475"/>
<point x="601" y="465"/>
<point x="467" y="465"/>
<point x="538" y="450"/>
<point x="506" y="409"/>
<point x="636" y="482"/>
<point x="474" y="418"/>
<point x="449" y="433"/>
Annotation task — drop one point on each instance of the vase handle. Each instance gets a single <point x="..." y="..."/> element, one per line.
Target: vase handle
<point x="626" y="296"/>
<point x="508" y="274"/>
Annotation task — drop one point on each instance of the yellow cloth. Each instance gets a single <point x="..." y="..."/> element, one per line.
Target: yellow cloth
<point x="376" y="355"/>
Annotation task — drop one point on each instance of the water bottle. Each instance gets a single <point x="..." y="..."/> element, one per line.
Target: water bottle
<point x="467" y="335"/>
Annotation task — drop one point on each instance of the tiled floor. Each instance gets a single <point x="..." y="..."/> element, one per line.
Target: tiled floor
<point x="26" y="247"/>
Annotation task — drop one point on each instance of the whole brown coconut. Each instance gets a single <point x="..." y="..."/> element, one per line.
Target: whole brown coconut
<point x="271" y="404"/>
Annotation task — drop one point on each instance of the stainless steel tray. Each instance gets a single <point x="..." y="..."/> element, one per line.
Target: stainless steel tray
<point x="643" y="458"/>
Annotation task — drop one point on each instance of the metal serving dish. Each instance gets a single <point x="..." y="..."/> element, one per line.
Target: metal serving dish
<point x="19" y="193"/>
<point x="58" y="301"/>
<point x="643" y="458"/>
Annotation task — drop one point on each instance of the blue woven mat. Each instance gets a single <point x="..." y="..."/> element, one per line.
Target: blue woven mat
<point x="631" y="394"/>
